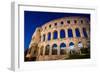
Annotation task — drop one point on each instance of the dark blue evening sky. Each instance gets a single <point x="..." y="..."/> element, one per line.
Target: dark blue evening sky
<point x="33" y="19"/>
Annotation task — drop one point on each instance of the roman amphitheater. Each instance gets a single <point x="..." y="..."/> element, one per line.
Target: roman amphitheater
<point x="59" y="38"/>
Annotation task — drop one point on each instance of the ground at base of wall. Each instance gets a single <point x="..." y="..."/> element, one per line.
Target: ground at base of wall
<point x="85" y="54"/>
<point x="71" y="57"/>
<point x="82" y="56"/>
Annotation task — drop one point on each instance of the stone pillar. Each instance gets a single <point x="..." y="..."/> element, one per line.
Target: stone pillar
<point x="32" y="51"/>
<point x="39" y="50"/>
<point x="51" y="35"/>
<point x="41" y="38"/>
<point x="66" y="33"/>
<point x="50" y="50"/>
<point x="73" y="31"/>
<point x="58" y="50"/>
<point x="44" y="51"/>
<point x="46" y="36"/>
<point x="58" y="43"/>
<point x="58" y="34"/>
<point x="38" y="53"/>
<point x="88" y="33"/>
<point x="81" y="32"/>
<point x="66" y="50"/>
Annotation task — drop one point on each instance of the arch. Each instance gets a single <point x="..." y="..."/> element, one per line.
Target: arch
<point x="55" y="24"/>
<point x="77" y="32"/>
<point x="47" y="48"/>
<point x="54" y="46"/>
<point x="68" y="21"/>
<point x="62" y="45"/>
<point x="62" y="22"/>
<point x="71" y="45"/>
<point x="80" y="45"/>
<point x="70" y="33"/>
<point x="50" y="26"/>
<point x="49" y="36"/>
<point x="62" y="33"/>
<point x="55" y="34"/>
<point x="75" y="21"/>
<point x="62" y="48"/>
<point x="54" y="49"/>
<point x="85" y="33"/>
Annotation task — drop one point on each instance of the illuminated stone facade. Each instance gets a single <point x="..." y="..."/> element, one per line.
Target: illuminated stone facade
<point x="58" y="38"/>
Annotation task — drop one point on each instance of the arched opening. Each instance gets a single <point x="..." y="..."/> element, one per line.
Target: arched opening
<point x="43" y="37"/>
<point x="54" y="49"/>
<point x="71" y="48"/>
<point x="55" y="35"/>
<point x="62" y="48"/>
<point x="62" y="22"/>
<point x="41" y="50"/>
<point x="85" y="33"/>
<point x="49" y="36"/>
<point x="68" y="21"/>
<point x="70" y="33"/>
<point x="80" y="45"/>
<point x="77" y="32"/>
<point x="62" y="33"/>
<point x="47" y="48"/>
<point x="71" y="45"/>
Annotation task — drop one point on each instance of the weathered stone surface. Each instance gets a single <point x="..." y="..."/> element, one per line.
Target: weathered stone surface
<point x="38" y="45"/>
